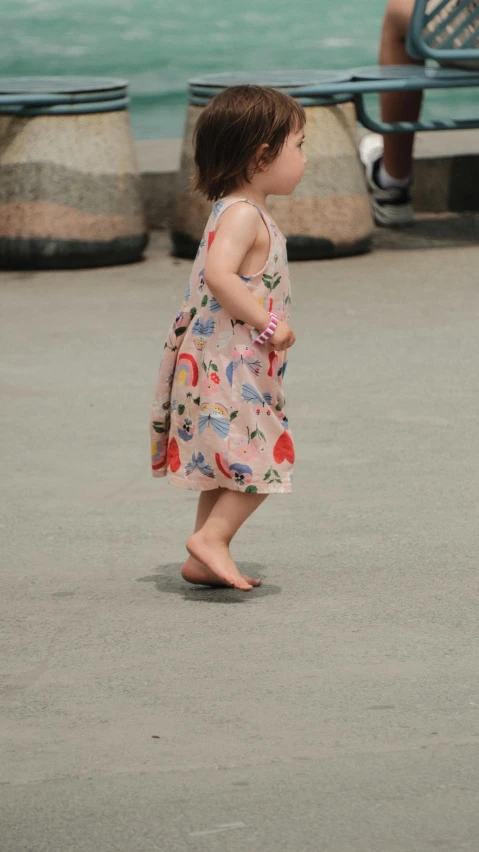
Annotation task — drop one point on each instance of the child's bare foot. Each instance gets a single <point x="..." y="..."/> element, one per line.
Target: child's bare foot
<point x="198" y="574"/>
<point x="218" y="559"/>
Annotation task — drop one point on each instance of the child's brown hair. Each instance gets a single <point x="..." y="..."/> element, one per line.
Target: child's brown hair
<point x="231" y="129"/>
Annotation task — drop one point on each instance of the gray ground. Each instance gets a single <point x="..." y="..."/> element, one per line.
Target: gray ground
<point x="336" y="709"/>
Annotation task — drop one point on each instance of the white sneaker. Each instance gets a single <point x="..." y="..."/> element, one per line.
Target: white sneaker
<point x="392" y="207"/>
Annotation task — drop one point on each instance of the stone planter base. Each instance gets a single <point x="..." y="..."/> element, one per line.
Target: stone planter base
<point x="329" y="213"/>
<point x="70" y="192"/>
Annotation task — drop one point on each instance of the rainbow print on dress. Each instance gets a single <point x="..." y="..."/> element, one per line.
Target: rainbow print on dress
<point x="187" y="371"/>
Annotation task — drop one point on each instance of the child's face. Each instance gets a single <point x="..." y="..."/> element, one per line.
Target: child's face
<point x="286" y="171"/>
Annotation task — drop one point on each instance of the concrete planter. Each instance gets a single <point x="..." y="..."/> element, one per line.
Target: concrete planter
<point x="70" y="191"/>
<point x="329" y="213"/>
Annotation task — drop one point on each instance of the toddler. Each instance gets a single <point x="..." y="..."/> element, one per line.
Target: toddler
<point x="219" y="424"/>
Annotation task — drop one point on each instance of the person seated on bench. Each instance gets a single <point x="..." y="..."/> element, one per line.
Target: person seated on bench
<point x="388" y="159"/>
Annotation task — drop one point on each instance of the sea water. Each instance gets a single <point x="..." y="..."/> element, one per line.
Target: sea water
<point x="157" y="45"/>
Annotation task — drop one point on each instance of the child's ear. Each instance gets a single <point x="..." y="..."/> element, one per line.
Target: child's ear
<point x="260" y="160"/>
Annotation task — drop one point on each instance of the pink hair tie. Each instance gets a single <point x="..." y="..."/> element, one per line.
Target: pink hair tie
<point x="268" y="332"/>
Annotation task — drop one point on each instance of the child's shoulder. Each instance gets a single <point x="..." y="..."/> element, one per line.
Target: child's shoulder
<point x="237" y="212"/>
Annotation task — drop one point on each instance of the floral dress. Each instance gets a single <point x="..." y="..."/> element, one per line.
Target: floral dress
<point x="218" y="417"/>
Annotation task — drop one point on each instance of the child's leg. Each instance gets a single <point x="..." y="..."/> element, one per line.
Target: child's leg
<point x="210" y="544"/>
<point x="194" y="571"/>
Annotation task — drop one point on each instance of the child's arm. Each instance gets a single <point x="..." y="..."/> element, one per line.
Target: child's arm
<point x="236" y="234"/>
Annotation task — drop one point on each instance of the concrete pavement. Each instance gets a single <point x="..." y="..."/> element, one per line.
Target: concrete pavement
<point x="336" y="709"/>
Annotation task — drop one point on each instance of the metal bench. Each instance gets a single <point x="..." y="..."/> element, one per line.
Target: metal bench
<point x="446" y="31"/>
<point x="328" y="215"/>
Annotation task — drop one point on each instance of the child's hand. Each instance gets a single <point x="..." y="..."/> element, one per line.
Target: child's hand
<point x="283" y="338"/>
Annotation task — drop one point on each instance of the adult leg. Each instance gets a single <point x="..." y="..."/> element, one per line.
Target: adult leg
<point x="398" y="106"/>
<point x="195" y="571"/>
<point x="210" y="544"/>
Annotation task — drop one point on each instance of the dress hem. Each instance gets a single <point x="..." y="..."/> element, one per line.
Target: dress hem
<point x="181" y="483"/>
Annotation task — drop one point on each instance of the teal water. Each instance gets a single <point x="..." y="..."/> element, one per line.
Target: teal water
<point x="158" y="45"/>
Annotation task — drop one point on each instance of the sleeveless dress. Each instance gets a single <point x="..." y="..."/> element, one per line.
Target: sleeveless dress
<point x="218" y="417"/>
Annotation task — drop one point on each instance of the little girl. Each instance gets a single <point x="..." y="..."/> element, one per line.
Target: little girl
<point x="219" y="424"/>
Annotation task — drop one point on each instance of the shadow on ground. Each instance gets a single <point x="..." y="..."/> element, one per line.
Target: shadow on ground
<point x="428" y="231"/>
<point x="168" y="581"/>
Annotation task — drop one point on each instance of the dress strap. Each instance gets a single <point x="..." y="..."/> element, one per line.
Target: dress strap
<point x="220" y="207"/>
